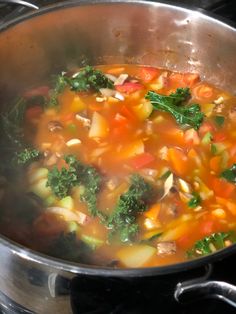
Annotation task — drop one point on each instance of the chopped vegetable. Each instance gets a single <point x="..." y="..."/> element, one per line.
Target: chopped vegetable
<point x="209" y="244"/>
<point x="190" y="115"/>
<point x="230" y="174"/>
<point x="88" y="79"/>
<point x="136" y="255"/>
<point x="130" y="204"/>
<point x="219" y="120"/>
<point x="194" y="201"/>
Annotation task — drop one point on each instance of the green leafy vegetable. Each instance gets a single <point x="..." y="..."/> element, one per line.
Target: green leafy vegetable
<point x="123" y="219"/>
<point x="68" y="247"/>
<point x="88" y="79"/>
<point x="61" y="182"/>
<point x="229" y="174"/>
<point x="211" y="243"/>
<point x="194" y="201"/>
<point x="12" y="123"/>
<point x="219" y="120"/>
<point x="60" y="84"/>
<point x="175" y="105"/>
<point x="26" y="155"/>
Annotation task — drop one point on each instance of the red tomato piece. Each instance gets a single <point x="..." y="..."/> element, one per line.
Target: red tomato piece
<point x="129" y="87"/>
<point x="39" y="91"/>
<point x="191" y="79"/>
<point x="219" y="137"/>
<point x="147" y="74"/>
<point x="203" y="92"/>
<point x="126" y="112"/>
<point x="206" y="127"/>
<point x="33" y="113"/>
<point x="119" y="120"/>
<point x="142" y="160"/>
<point x="206" y="227"/>
<point x="222" y="188"/>
<point x="183" y="79"/>
<point x="191" y="137"/>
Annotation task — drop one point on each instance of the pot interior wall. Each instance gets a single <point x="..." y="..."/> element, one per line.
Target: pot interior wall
<point x="153" y="34"/>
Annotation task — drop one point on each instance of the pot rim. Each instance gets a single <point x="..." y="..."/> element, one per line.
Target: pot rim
<point x="77" y="268"/>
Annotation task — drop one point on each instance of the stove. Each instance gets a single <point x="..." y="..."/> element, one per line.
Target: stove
<point x="138" y="300"/>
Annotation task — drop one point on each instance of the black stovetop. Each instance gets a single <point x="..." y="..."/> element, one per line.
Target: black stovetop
<point x="225" y="270"/>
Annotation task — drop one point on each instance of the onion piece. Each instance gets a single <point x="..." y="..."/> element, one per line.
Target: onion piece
<point x="119" y="96"/>
<point x="73" y="142"/>
<point x="107" y="92"/>
<point x="168" y="185"/>
<point x="69" y="215"/>
<point x="111" y="77"/>
<point x="121" y="79"/>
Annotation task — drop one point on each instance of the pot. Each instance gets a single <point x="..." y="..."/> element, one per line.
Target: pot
<point x="42" y="43"/>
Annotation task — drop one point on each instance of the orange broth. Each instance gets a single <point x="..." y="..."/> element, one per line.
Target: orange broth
<point x="133" y="138"/>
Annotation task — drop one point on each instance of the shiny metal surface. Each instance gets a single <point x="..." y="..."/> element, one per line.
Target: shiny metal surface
<point x="20" y="2"/>
<point x="74" y="33"/>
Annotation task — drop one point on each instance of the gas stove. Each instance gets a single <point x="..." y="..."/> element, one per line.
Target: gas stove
<point x="137" y="300"/>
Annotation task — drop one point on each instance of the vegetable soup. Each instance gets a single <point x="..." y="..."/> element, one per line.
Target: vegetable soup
<point x="121" y="166"/>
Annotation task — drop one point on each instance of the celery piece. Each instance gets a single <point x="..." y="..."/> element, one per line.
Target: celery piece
<point x="73" y="226"/>
<point x="66" y="202"/>
<point x="207" y="138"/>
<point x="92" y="242"/>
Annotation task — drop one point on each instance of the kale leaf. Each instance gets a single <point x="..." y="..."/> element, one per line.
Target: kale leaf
<point x="12" y="123"/>
<point x="26" y="155"/>
<point x="89" y="79"/>
<point x="77" y="173"/>
<point x="175" y="105"/>
<point x="123" y="219"/>
<point x="211" y="243"/>
<point x="60" y="84"/>
<point x="229" y="174"/>
<point x="194" y="201"/>
<point x="67" y="246"/>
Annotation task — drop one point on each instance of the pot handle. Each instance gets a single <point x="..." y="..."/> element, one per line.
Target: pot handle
<point x="21" y="2"/>
<point x="188" y="291"/>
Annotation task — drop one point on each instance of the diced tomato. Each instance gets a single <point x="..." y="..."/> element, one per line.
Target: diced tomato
<point x="191" y="137"/>
<point x="33" y="113"/>
<point x="219" y="137"/>
<point x="203" y="92"/>
<point x="222" y="188"/>
<point x="206" y="227"/>
<point x="184" y="242"/>
<point x="147" y="74"/>
<point x="142" y="160"/>
<point x="206" y="127"/>
<point x="39" y="91"/>
<point x="129" y="87"/>
<point x="191" y="79"/>
<point x="183" y="79"/>
<point x="119" y="120"/>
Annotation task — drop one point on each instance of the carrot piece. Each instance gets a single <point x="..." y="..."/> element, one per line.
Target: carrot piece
<point x="142" y="160"/>
<point x="129" y="87"/>
<point x="153" y="212"/>
<point x="203" y="92"/>
<point x="147" y="74"/>
<point x="222" y="188"/>
<point x="116" y="71"/>
<point x="33" y="113"/>
<point x="231" y="206"/>
<point x="178" y="161"/>
<point x="128" y="113"/>
<point x="215" y="164"/>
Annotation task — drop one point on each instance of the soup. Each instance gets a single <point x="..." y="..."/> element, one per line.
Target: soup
<point x="121" y="166"/>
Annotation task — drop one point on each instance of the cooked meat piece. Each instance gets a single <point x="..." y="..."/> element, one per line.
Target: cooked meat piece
<point x="166" y="248"/>
<point x="54" y="126"/>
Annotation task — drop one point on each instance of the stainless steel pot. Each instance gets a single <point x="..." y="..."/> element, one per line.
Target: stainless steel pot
<point x="96" y="32"/>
